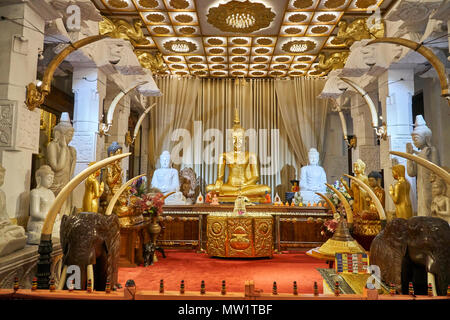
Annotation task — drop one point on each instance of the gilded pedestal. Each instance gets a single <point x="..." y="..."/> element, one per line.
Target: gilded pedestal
<point x="239" y="236"/>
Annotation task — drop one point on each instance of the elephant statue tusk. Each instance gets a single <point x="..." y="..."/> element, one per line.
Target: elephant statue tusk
<point x="116" y="196"/>
<point x="343" y="122"/>
<point x="328" y="201"/>
<point x="344" y="201"/>
<point x="369" y="101"/>
<point x="36" y="96"/>
<point x="65" y="192"/>
<point x="169" y="194"/>
<point x="112" y="106"/>
<point x="90" y="275"/>
<point x="141" y="118"/>
<point x="431" y="279"/>
<point x="439" y="171"/>
<point x="62" y="280"/>
<point x="372" y="195"/>
<point x="428" y="54"/>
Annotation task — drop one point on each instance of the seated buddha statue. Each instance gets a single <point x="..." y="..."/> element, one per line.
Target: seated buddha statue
<point x="312" y="178"/>
<point x="243" y="171"/>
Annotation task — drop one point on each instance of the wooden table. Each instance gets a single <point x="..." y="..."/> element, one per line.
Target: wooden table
<point x="131" y="240"/>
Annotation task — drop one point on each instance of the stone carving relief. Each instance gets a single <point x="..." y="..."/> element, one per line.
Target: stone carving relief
<point x="6" y="124"/>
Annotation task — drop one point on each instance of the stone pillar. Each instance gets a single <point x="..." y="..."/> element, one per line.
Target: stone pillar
<point x="396" y="101"/>
<point x="366" y="148"/>
<point x="89" y="88"/>
<point x="19" y="127"/>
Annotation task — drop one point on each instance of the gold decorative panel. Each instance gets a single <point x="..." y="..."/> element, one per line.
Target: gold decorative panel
<point x="244" y="32"/>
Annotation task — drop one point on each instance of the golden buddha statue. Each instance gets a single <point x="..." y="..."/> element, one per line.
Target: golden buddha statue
<point x="92" y="192"/>
<point x="114" y="170"/>
<point x="243" y="171"/>
<point x="359" y="195"/>
<point x="400" y="193"/>
<point x="375" y="185"/>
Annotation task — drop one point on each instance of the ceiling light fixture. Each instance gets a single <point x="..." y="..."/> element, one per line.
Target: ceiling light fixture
<point x="180" y="47"/>
<point x="240" y="20"/>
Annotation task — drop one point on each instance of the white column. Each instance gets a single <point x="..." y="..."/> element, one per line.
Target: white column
<point x="19" y="126"/>
<point x="89" y="88"/>
<point x="396" y="100"/>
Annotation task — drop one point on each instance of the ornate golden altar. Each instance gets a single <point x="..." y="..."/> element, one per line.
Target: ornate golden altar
<point x="232" y="236"/>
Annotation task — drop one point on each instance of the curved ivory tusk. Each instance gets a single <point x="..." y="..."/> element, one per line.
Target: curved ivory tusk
<point x="50" y="70"/>
<point x="367" y="98"/>
<point x="112" y="106"/>
<point x="169" y="194"/>
<point x="372" y="194"/>
<point x="90" y="275"/>
<point x="343" y="123"/>
<point x="65" y="192"/>
<point x="328" y="201"/>
<point x="62" y="280"/>
<point x="441" y="172"/>
<point x="141" y="118"/>
<point x="116" y="196"/>
<point x="428" y="54"/>
<point x="344" y="201"/>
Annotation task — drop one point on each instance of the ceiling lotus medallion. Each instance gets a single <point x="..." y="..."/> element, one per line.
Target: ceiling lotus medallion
<point x="184" y="18"/>
<point x="161" y="30"/>
<point x="218" y="59"/>
<point x="238" y="66"/>
<point x="259" y="66"/>
<point x="298" y="46"/>
<point x="200" y="73"/>
<point x="240" y="41"/>
<point x="282" y="59"/>
<point x="179" y="4"/>
<point x="216" y="51"/>
<point x="218" y="67"/>
<point x="118" y="4"/>
<point x="155" y="17"/>
<point x="239" y="51"/>
<point x="293" y="30"/>
<point x="302" y="59"/>
<point x="333" y="4"/>
<point x="238" y="59"/>
<point x="264" y="41"/>
<point x="260" y="59"/>
<point x="364" y="4"/>
<point x="327" y="17"/>
<point x="197" y="66"/>
<point x="241" y="17"/>
<point x="298" y="17"/>
<point x="257" y="73"/>
<point x="300" y="66"/>
<point x="177" y="66"/>
<point x="195" y="59"/>
<point x="280" y="67"/>
<point x="174" y="59"/>
<point x="319" y="29"/>
<point x="303" y="4"/>
<point x="215" y="41"/>
<point x="148" y="3"/>
<point x="262" y="50"/>
<point x="180" y="46"/>
<point x="187" y="30"/>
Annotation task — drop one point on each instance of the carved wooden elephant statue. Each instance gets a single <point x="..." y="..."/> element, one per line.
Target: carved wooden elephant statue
<point x="92" y="242"/>
<point x="414" y="250"/>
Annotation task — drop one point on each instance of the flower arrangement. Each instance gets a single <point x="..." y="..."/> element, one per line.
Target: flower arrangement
<point x="139" y="187"/>
<point x="150" y="204"/>
<point x="333" y="196"/>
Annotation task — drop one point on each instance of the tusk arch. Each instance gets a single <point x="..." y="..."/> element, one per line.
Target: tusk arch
<point x="328" y="201"/>
<point x="428" y="54"/>
<point x="372" y="195"/>
<point x="116" y="196"/>
<point x="141" y="118"/>
<point x="64" y="193"/>
<point x="344" y="201"/>
<point x="439" y="171"/>
<point x="367" y="98"/>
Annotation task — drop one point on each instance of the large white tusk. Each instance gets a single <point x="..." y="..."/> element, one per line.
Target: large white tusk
<point x="65" y="192"/>
<point x="141" y="118"/>
<point x="344" y="201"/>
<point x="372" y="195"/>
<point x="441" y="172"/>
<point x="90" y="275"/>
<point x="112" y="106"/>
<point x="328" y="201"/>
<point x="365" y="95"/>
<point x="62" y="280"/>
<point x="431" y="279"/>
<point x="116" y="196"/>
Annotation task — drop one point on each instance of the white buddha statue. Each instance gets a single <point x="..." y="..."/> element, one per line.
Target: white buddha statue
<point x="312" y="178"/>
<point x="12" y="237"/>
<point x="166" y="180"/>
<point x="41" y="200"/>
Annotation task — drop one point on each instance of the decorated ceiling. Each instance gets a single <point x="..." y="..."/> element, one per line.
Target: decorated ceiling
<point x="246" y="38"/>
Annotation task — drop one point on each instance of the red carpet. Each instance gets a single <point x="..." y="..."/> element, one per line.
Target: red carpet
<point x="193" y="267"/>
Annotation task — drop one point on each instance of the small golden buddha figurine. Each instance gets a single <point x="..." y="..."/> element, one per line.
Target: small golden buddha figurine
<point x="440" y="205"/>
<point x="92" y="192"/>
<point x="243" y="171"/>
<point x="359" y="195"/>
<point x="400" y="193"/>
<point x="375" y="184"/>
<point x="114" y="170"/>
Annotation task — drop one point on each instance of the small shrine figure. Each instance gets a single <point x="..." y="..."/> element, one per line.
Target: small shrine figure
<point x="208" y="198"/>
<point x="215" y="200"/>
<point x="268" y="198"/>
<point x="440" y="205"/>
<point x="295" y="187"/>
<point x="199" y="199"/>
<point x="277" y="200"/>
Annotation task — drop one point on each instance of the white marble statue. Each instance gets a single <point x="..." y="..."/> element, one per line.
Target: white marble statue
<point x="166" y="180"/>
<point x="41" y="199"/>
<point x="440" y="206"/>
<point x="312" y="178"/>
<point x="421" y="137"/>
<point x="62" y="158"/>
<point x="12" y="237"/>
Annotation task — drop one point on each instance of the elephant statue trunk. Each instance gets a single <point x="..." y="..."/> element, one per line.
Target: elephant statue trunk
<point x="414" y="250"/>
<point x="92" y="242"/>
